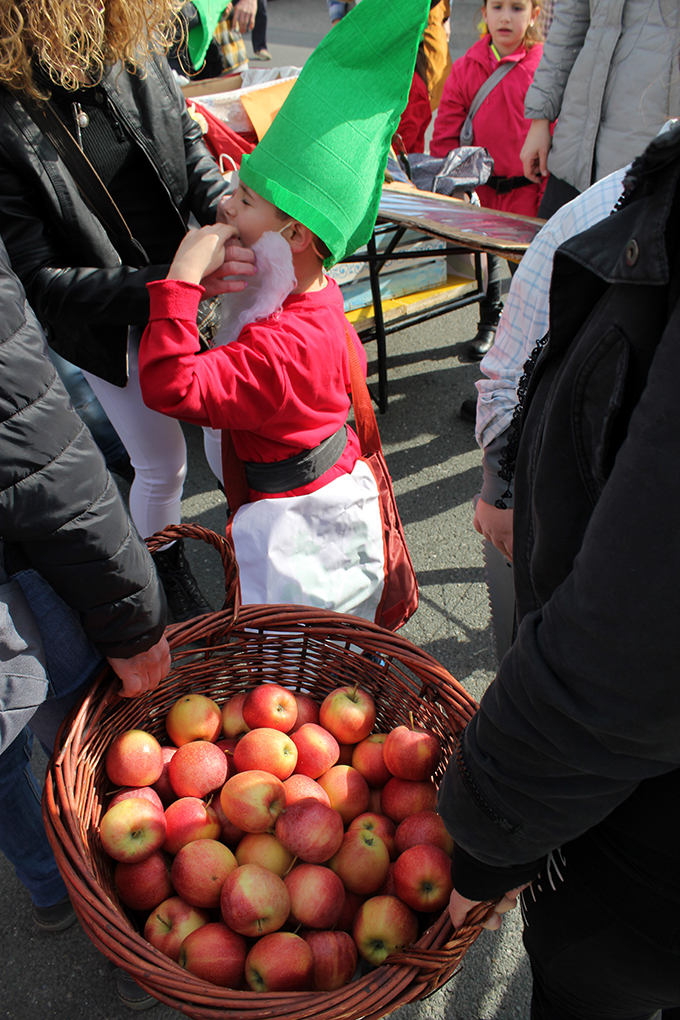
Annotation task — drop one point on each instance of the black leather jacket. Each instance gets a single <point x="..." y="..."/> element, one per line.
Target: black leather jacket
<point x="75" y="281"/>
<point x="60" y="511"/>
<point x="576" y="740"/>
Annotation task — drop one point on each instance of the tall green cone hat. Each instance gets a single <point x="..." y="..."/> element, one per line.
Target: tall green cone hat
<point x="209" y="13"/>
<point x="323" y="159"/>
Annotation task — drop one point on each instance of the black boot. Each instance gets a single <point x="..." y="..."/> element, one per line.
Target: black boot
<point x="486" y="332"/>
<point x="185" y="599"/>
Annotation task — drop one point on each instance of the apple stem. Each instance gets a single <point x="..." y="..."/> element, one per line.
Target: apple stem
<point x="410" y="719"/>
<point x="290" y="868"/>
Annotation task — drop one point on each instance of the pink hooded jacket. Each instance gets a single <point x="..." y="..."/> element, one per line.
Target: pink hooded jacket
<point x="499" y="125"/>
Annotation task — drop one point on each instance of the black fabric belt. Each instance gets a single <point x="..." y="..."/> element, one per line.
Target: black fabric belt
<point x="502" y="185"/>
<point x="302" y="469"/>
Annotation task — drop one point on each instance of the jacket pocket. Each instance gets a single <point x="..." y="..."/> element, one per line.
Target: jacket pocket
<point x="598" y="422"/>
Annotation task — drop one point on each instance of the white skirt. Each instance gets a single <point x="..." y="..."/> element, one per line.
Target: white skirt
<point x="325" y="549"/>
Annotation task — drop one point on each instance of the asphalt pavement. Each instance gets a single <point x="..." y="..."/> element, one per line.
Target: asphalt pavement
<point x="435" y="465"/>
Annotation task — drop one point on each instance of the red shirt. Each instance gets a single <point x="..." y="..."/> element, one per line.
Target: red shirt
<point x="499" y="125"/>
<point x="281" y="387"/>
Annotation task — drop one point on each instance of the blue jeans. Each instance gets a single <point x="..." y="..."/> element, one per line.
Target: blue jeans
<point x="71" y="661"/>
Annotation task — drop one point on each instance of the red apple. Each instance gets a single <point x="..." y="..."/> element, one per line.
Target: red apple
<point x="422" y="877"/>
<point x="403" y="797"/>
<point x="264" y="848"/>
<point x="162" y="785"/>
<point x="307" y="710"/>
<point x="388" y="888"/>
<point x="266" y="749"/>
<point x="281" y="962"/>
<point x="348" y="713"/>
<point x="199" y="871"/>
<point x="346" y="752"/>
<point x="368" y="759"/>
<point x="142" y="885"/>
<point x="349" y="909"/>
<point x="170" y="922"/>
<point x="253" y="800"/>
<point x="215" y="953"/>
<point x="194" y="717"/>
<point x="254" y="901"/>
<point x="347" y="790"/>
<point x="311" y="830"/>
<point x="335" y="958"/>
<point x="362" y="862"/>
<point x="298" y="787"/>
<point x="374" y="797"/>
<point x="233" y="723"/>
<point x="228" y="744"/>
<point x="187" y="819"/>
<point x="270" y="705"/>
<point x="317" y="896"/>
<point x="412" y="753"/>
<point x="230" y="834"/>
<point x="423" y="827"/>
<point x="147" y="792"/>
<point x="317" y="750"/>
<point x="134" y="758"/>
<point x="382" y="826"/>
<point x="383" y="925"/>
<point x="197" y="769"/>
<point x="132" y="830"/>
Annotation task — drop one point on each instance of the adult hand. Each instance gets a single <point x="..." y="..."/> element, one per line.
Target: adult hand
<point x="243" y="17"/>
<point x="459" y="908"/>
<point x="495" y="525"/>
<point x="534" y="153"/>
<point x="237" y="262"/>
<point x="143" y="672"/>
<point x="204" y="256"/>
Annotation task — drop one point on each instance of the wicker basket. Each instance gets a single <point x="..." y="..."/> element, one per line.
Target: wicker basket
<point x="218" y="655"/>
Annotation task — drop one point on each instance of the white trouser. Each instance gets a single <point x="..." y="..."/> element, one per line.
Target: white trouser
<point x="154" y="442"/>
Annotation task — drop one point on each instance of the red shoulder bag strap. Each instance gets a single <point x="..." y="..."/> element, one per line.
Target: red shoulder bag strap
<point x="364" y="415"/>
<point x="234" y="474"/>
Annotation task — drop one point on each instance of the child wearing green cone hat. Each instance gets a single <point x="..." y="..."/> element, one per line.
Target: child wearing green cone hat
<point x="311" y="531"/>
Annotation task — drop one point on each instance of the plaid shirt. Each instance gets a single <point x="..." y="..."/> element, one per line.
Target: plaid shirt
<point x="526" y="313"/>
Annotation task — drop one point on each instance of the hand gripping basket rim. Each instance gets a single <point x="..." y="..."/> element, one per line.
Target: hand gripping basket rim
<point x="220" y="654"/>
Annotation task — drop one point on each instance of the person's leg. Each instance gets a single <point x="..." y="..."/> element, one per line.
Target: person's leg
<point x="23" y="839"/>
<point x="588" y="965"/>
<point x="490" y="308"/>
<point x="156" y="446"/>
<point x="158" y="453"/>
<point x="259" y="33"/>
<point x="94" y="416"/>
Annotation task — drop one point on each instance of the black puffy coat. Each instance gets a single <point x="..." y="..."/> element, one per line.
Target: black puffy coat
<point x="79" y="289"/>
<point x="60" y="512"/>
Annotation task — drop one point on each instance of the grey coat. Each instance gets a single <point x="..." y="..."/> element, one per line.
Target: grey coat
<point x="609" y="74"/>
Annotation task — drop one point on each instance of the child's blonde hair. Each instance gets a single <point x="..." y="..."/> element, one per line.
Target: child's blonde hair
<point x="534" y="33"/>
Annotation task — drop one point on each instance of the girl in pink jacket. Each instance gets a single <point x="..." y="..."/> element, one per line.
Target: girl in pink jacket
<point x="512" y="37"/>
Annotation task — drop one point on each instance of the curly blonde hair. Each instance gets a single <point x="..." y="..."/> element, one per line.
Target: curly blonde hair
<point x="76" y="39"/>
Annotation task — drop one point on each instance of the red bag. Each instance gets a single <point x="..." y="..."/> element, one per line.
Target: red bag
<point x="400" y="594"/>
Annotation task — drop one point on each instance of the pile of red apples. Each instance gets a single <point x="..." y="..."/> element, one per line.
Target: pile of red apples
<point x="279" y="838"/>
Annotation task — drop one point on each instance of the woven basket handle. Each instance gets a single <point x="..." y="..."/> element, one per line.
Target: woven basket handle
<point x="193" y="630"/>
